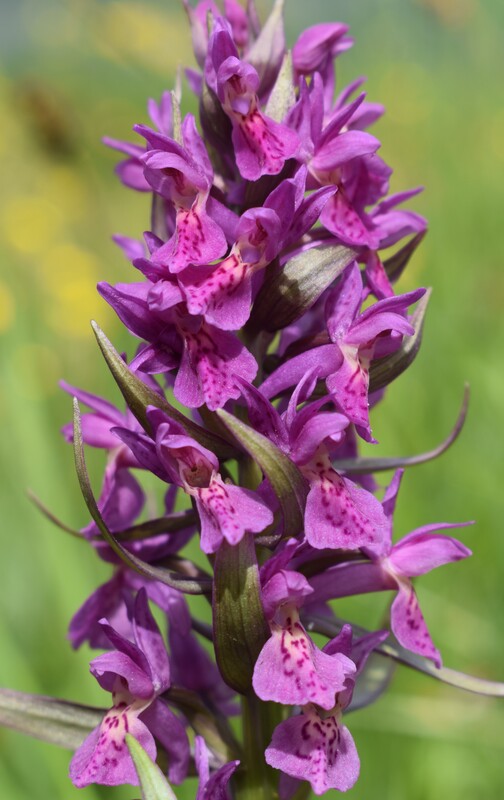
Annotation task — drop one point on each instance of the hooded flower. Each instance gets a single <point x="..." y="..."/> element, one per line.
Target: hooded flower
<point x="136" y="673"/>
<point x="290" y="669"/>
<point x="338" y="513"/>
<point x="261" y="145"/>
<point x="183" y="175"/>
<point x="354" y="341"/>
<point x="223" y="292"/>
<point x="226" y="511"/>
<point x="315" y="745"/>
<point x="208" y="360"/>
<point x="392" y="566"/>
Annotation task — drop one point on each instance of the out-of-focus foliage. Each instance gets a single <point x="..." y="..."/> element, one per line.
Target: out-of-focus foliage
<point x="72" y="70"/>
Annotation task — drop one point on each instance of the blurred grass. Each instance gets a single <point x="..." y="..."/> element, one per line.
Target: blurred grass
<point x="73" y="70"/>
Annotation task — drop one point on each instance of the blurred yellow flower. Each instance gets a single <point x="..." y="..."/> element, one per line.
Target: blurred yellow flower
<point x="31" y="223"/>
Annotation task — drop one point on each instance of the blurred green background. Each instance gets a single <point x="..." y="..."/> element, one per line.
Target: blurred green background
<point x="73" y="70"/>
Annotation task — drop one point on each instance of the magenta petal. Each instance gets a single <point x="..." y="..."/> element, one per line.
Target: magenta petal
<point x="263" y="416"/>
<point x="408" y="624"/>
<point x="211" y="362"/>
<point x="104" y="758"/>
<point x="228" y="511"/>
<point x="339" y="514"/>
<point x="340" y="217"/>
<point x="292" y="671"/>
<point x="323" y="360"/>
<point x="317" y="750"/>
<point x="343" y="303"/>
<point x="376" y="277"/>
<point x="96" y="431"/>
<point x="106" y="601"/>
<point x="197" y="240"/>
<point x="315" y="430"/>
<point x="121" y="498"/>
<point x="345" y="580"/>
<point x="368" y="330"/>
<point x="423" y="550"/>
<point x="222" y="292"/>
<point x="315" y="44"/>
<point x="343" y="148"/>
<point x="102" y="407"/>
<point x="262" y="146"/>
<point x="109" y="665"/>
<point x="150" y="641"/>
<point x="131" y="173"/>
<point x="283" y="586"/>
<point x="349" y="389"/>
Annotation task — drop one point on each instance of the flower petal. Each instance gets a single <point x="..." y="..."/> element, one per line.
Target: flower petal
<point x="408" y="624"/>
<point x="292" y="671"/>
<point x="339" y="514"/>
<point x="321" y="751"/>
<point x="423" y="550"/>
<point x="104" y="757"/>
<point x="228" y="511"/>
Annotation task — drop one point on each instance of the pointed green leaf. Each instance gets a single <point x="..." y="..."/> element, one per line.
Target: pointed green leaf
<point x="365" y="466"/>
<point x="396" y="264"/>
<point x="288" y="484"/>
<point x="384" y="370"/>
<point x="239" y="626"/>
<point x="55" y="721"/>
<point x="331" y="627"/>
<point x="290" y="291"/>
<point x="139" y="396"/>
<point x="283" y="96"/>
<point x="153" y="783"/>
<point x="168" y="577"/>
<point x="172" y="523"/>
<point x="52" y="517"/>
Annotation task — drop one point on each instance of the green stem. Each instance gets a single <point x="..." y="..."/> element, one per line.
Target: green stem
<point x="256" y="780"/>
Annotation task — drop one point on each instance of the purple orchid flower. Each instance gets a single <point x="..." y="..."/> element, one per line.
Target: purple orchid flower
<point x="136" y="673"/>
<point x="208" y="361"/>
<point x="354" y="341"/>
<point x="290" y="669"/>
<point x="261" y="145"/>
<point x="226" y="511"/>
<point x="392" y="567"/>
<point x="315" y="745"/>
<point x="338" y="513"/>
<point x="223" y="292"/>
<point x="183" y="175"/>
